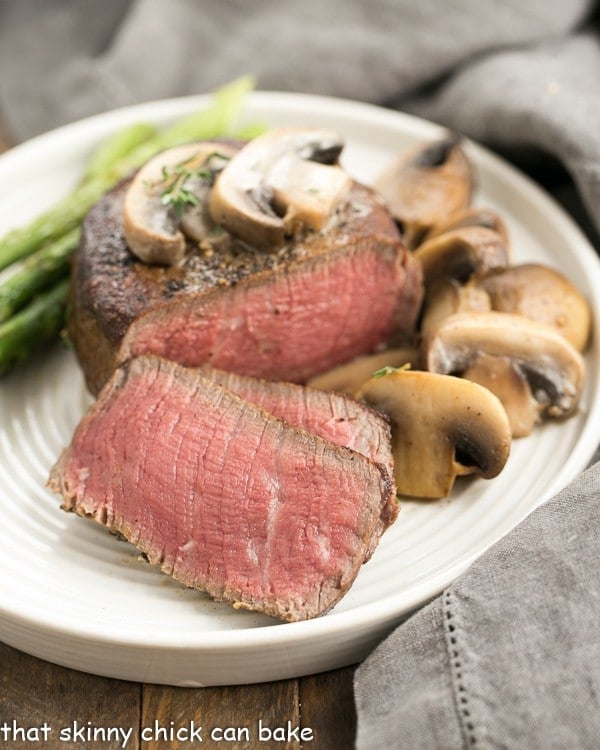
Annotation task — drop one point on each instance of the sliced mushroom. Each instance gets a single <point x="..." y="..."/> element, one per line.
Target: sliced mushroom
<point x="280" y="183"/>
<point x="152" y="226"/>
<point x="473" y="216"/>
<point x="502" y="377"/>
<point x="350" y="377"/>
<point x="442" y="427"/>
<point x="461" y="254"/>
<point x="196" y="221"/>
<point x="553" y="368"/>
<point x="542" y="294"/>
<point x="447" y="297"/>
<point x="425" y="185"/>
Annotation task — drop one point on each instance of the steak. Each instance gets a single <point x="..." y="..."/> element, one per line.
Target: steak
<point x="332" y="416"/>
<point x="222" y="495"/>
<point x="286" y="314"/>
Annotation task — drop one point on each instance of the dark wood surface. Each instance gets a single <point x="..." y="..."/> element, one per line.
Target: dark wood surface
<point x="35" y="694"/>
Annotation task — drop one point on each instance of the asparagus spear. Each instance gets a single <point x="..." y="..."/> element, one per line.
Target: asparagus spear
<point x="37" y="324"/>
<point x="46" y="266"/>
<point x="66" y="215"/>
<point x="217" y="120"/>
<point x="214" y="121"/>
<point x="53" y="236"/>
<point x="116" y="147"/>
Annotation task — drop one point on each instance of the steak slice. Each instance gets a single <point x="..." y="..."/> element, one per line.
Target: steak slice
<point x="220" y="494"/>
<point x="283" y="315"/>
<point x="332" y="416"/>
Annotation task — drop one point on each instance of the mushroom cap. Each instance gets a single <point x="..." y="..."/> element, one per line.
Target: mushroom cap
<point x="542" y="294"/>
<point x="442" y="427"/>
<point x="426" y="184"/>
<point x="502" y="377"/>
<point x="282" y="182"/>
<point x="446" y="297"/>
<point x="474" y="216"/>
<point x="461" y="254"/>
<point x="152" y="229"/>
<point x="552" y="366"/>
<point x="351" y="376"/>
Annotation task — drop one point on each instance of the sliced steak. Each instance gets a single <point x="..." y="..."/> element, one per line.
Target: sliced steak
<point x="286" y="314"/>
<point x="220" y="494"/>
<point x="332" y="416"/>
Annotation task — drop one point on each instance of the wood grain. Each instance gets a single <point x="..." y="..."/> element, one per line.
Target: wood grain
<point x="33" y="692"/>
<point x="327" y="706"/>
<point x="236" y="710"/>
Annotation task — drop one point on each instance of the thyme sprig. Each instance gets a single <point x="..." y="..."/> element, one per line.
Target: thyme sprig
<point x="389" y="370"/>
<point x="175" y="183"/>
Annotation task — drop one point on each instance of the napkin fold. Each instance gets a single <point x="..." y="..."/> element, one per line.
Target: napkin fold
<point x="508" y="656"/>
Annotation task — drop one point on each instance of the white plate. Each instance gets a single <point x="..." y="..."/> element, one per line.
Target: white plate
<point x="72" y="594"/>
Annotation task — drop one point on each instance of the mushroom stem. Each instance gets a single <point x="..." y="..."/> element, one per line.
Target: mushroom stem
<point x="502" y="377"/>
<point x="552" y="366"/>
<point x="163" y="195"/>
<point x="426" y="184"/>
<point x="442" y="427"/>
<point x="462" y="254"/>
<point x="279" y="184"/>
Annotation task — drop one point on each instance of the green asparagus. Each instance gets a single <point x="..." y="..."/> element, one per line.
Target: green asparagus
<point x="216" y="120"/>
<point x="116" y="147"/>
<point x="66" y="215"/>
<point x="46" y="266"/>
<point x="48" y="240"/>
<point x="37" y="324"/>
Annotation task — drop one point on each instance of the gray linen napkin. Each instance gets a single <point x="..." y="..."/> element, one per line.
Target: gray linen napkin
<point x="510" y="73"/>
<point x="61" y="60"/>
<point x="509" y="655"/>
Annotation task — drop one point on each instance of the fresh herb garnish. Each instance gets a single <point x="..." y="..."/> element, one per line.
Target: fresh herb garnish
<point x="175" y="187"/>
<point x="388" y="370"/>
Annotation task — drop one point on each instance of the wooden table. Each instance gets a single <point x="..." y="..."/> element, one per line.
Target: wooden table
<point x="34" y="692"/>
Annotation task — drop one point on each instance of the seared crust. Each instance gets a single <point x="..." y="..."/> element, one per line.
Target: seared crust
<point x="184" y="535"/>
<point x="111" y="289"/>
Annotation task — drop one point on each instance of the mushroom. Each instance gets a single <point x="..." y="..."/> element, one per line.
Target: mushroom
<point x="542" y="294"/>
<point x="473" y="216"/>
<point x="446" y="297"/>
<point x="510" y="384"/>
<point x="279" y="184"/>
<point x="461" y="254"/>
<point x="351" y="376"/>
<point x="152" y="224"/>
<point x="552" y="367"/>
<point x="442" y="427"/>
<point x="425" y="185"/>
